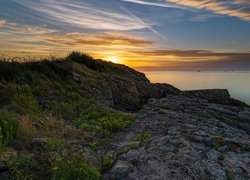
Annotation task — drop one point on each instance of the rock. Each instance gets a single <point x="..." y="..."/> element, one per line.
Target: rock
<point x="220" y="96"/>
<point x="132" y="155"/>
<point x="78" y="78"/>
<point x="120" y="170"/>
<point x="37" y="143"/>
<point x="93" y="158"/>
<point x="125" y="94"/>
<point x="185" y="143"/>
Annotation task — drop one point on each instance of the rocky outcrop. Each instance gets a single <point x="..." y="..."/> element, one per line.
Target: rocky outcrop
<point x="220" y="96"/>
<point x="125" y="89"/>
<point x="178" y="137"/>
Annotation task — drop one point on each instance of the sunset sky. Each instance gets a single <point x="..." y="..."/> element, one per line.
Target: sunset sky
<point x="145" y="34"/>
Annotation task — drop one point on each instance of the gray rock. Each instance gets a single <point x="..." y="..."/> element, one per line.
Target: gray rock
<point x="120" y="170"/>
<point x="184" y="144"/>
<point x="132" y="155"/>
<point x="77" y="78"/>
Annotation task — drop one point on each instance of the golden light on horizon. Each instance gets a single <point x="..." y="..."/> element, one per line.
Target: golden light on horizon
<point x="114" y="59"/>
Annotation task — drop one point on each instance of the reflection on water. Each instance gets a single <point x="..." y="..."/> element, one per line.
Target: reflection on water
<point x="238" y="83"/>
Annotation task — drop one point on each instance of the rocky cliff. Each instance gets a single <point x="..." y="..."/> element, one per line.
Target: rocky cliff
<point x="91" y="118"/>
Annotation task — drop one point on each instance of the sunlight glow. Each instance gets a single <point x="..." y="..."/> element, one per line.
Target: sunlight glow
<point x="113" y="59"/>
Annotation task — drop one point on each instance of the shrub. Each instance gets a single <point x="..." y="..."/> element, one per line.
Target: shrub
<point x="54" y="144"/>
<point x="107" y="162"/>
<point x="73" y="166"/>
<point x="86" y="60"/>
<point x="26" y="100"/>
<point x="114" y="122"/>
<point x="21" y="167"/>
<point x="8" y="128"/>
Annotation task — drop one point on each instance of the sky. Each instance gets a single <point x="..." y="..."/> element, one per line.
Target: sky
<point x="144" y="34"/>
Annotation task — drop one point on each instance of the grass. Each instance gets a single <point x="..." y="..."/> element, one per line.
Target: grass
<point x="8" y="128"/>
<point x="42" y="100"/>
<point x="107" y="162"/>
<point x="54" y="144"/>
<point x="163" y="111"/>
<point x="73" y="166"/>
<point x="134" y="145"/>
<point x="141" y="137"/>
<point x="22" y="166"/>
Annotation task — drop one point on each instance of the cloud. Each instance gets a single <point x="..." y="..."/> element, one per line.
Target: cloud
<point x="190" y="60"/>
<point x="203" y="17"/>
<point x="194" y="54"/>
<point x="25" y="29"/>
<point x="2" y="22"/>
<point x="104" y="39"/>
<point x="81" y="14"/>
<point x="157" y="4"/>
<point x="233" y="8"/>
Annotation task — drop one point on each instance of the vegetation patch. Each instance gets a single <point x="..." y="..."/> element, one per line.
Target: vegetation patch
<point x="73" y="165"/>
<point x="8" y="128"/>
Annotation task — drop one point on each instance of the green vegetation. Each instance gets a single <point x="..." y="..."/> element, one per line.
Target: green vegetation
<point x="42" y="100"/>
<point x="135" y="162"/>
<point x="134" y="145"/>
<point x="163" y="111"/>
<point x="8" y="128"/>
<point x="107" y="162"/>
<point x="22" y="166"/>
<point x="141" y="137"/>
<point x="73" y="166"/>
<point x="54" y="144"/>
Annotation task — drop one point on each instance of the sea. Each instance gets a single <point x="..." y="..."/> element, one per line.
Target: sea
<point x="237" y="82"/>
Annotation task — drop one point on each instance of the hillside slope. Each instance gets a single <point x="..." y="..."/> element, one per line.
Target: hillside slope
<point x="73" y="118"/>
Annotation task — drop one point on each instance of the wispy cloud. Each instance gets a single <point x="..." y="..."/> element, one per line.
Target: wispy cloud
<point x="234" y="8"/>
<point x="108" y="39"/>
<point x="153" y="3"/>
<point x="189" y="60"/>
<point x="194" y="54"/>
<point x="81" y="14"/>
<point x="203" y="17"/>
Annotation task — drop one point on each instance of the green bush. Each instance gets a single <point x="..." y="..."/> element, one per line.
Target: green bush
<point x="114" y="122"/>
<point x="8" y="128"/>
<point x="25" y="100"/>
<point x="73" y="166"/>
<point x="53" y="144"/>
<point x="86" y="60"/>
<point x="107" y="162"/>
<point x="21" y="167"/>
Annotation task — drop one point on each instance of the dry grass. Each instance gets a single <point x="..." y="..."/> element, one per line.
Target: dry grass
<point x="49" y="127"/>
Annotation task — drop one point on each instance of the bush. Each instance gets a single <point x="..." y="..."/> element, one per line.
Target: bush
<point x="107" y="162"/>
<point x="114" y="122"/>
<point x="86" y="60"/>
<point x="54" y="144"/>
<point x="21" y="167"/>
<point x="73" y="166"/>
<point x="26" y="100"/>
<point x="8" y="128"/>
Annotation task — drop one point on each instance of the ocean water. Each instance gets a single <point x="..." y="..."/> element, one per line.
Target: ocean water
<point x="238" y="83"/>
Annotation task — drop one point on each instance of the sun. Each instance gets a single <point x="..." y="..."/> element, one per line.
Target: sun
<point x="113" y="59"/>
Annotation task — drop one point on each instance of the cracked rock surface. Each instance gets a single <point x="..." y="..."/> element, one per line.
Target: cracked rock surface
<point x="179" y="137"/>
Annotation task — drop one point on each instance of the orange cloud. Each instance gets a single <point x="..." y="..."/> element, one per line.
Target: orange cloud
<point x="2" y="22"/>
<point x="234" y="8"/>
<point x="105" y="39"/>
